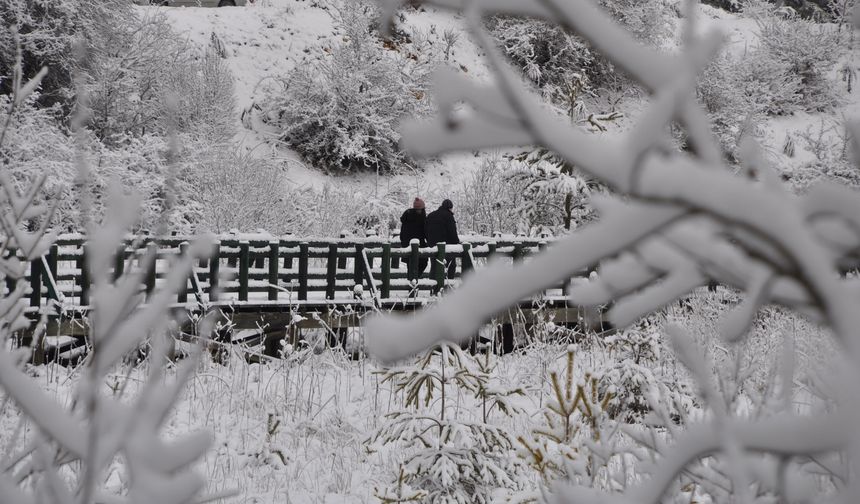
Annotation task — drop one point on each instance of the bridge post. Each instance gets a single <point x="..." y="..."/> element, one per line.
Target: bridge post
<point x="358" y="265"/>
<point x="386" y="271"/>
<point x="11" y="283"/>
<point x="517" y="254"/>
<point x="288" y="259"/>
<point x="36" y="282"/>
<point x="85" y="274"/>
<point x="412" y="272"/>
<point x="303" y="271"/>
<point x="151" y="250"/>
<point x="53" y="259"/>
<point x="273" y="269"/>
<point x="466" y="258"/>
<point x="214" y="270"/>
<point x="182" y="295"/>
<point x="439" y="267"/>
<point x="341" y="261"/>
<point x="491" y="249"/>
<point x="331" y="271"/>
<point x="119" y="262"/>
<point x="244" y="264"/>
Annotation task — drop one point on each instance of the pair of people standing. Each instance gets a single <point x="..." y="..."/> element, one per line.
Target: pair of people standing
<point x="437" y="227"/>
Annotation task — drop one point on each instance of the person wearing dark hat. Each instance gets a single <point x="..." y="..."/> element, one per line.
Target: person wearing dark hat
<point x="412" y="227"/>
<point x="442" y="228"/>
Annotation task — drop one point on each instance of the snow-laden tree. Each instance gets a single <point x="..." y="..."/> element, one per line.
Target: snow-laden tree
<point x="565" y="66"/>
<point x="674" y="221"/>
<point x="56" y="35"/>
<point x="341" y="112"/>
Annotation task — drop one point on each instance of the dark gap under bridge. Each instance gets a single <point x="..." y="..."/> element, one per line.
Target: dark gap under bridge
<point x="268" y="289"/>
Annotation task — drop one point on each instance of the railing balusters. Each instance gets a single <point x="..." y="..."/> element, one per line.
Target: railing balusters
<point x="341" y="261"/>
<point x="331" y="271"/>
<point x="119" y="262"/>
<point x="85" y="274"/>
<point x="517" y="254"/>
<point x="214" y="271"/>
<point x="386" y="271"/>
<point x="441" y="269"/>
<point x="466" y="263"/>
<point x="151" y="251"/>
<point x="36" y="282"/>
<point x="412" y="266"/>
<point x="182" y="295"/>
<point x="358" y="265"/>
<point x="244" y="263"/>
<point x="273" y="270"/>
<point x="303" y="271"/>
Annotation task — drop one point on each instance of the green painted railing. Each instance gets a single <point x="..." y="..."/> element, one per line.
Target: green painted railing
<point x="258" y="268"/>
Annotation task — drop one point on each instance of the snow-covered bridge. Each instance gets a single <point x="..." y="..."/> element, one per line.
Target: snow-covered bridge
<point x="262" y="284"/>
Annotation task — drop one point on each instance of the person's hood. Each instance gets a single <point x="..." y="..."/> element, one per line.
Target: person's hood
<point x="412" y="215"/>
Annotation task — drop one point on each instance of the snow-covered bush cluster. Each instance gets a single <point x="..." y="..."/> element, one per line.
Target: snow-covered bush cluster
<point x="785" y="72"/>
<point x="342" y="113"/>
<point x="533" y="194"/>
<point x="567" y="70"/>
<point x="152" y="112"/>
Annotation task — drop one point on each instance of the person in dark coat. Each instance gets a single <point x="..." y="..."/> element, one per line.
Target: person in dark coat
<point x="442" y="228"/>
<point x="412" y="227"/>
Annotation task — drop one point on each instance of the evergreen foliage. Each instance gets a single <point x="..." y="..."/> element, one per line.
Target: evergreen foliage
<point x="451" y="459"/>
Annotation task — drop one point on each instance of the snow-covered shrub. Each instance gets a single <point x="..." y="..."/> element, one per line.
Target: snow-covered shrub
<point x="38" y="145"/>
<point x="57" y="35"/>
<point x="147" y="80"/>
<point x="635" y="375"/>
<point x="238" y="191"/>
<point x="341" y="113"/>
<point x="453" y="458"/>
<point x="576" y="411"/>
<point x="806" y="51"/>
<point x="564" y="66"/>
<point x="830" y="143"/>
<point x="554" y="194"/>
<point x="786" y="72"/>
<point x="532" y="193"/>
<point x="487" y="203"/>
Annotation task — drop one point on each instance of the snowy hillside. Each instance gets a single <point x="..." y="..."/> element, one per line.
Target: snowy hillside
<point x="264" y="42"/>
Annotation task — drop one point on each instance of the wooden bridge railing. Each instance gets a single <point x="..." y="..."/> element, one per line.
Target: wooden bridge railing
<point x="260" y="269"/>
